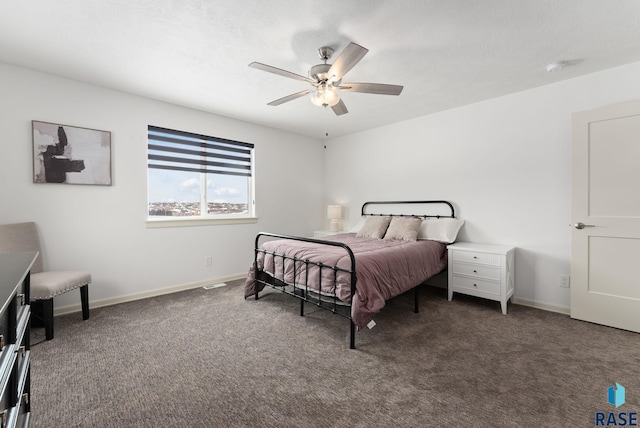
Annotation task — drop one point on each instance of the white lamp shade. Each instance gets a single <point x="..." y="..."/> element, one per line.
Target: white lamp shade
<point x="334" y="212"/>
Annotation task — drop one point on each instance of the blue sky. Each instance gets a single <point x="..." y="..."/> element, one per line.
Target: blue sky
<point x="180" y="186"/>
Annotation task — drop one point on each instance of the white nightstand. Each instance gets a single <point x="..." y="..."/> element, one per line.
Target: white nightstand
<point x="323" y="233"/>
<point x="482" y="270"/>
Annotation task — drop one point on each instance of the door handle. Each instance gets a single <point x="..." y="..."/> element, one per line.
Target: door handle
<point x="582" y="225"/>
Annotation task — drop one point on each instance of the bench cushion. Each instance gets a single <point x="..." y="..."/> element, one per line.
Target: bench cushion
<point x="45" y="285"/>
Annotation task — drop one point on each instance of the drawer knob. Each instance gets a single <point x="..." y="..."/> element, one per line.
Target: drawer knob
<point x="475" y="271"/>
<point x="475" y="285"/>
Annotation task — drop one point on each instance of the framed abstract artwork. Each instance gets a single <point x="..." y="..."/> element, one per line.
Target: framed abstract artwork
<point x="71" y="155"/>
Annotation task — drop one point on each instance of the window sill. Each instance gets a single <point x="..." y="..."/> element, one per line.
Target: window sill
<point x="185" y="222"/>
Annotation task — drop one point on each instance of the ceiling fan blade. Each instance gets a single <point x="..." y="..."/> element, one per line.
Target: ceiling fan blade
<point x="280" y="72"/>
<point x="289" y="98"/>
<point x="340" y="109"/>
<point x="371" y="88"/>
<point x="347" y="59"/>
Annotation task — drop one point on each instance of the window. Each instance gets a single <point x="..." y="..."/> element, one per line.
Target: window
<point x="194" y="176"/>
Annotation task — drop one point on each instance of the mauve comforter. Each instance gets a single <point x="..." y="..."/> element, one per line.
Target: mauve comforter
<point x="384" y="268"/>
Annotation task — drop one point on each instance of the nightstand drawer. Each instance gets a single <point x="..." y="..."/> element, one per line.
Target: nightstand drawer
<point x="476" y="284"/>
<point x="477" y="257"/>
<point x="476" y="270"/>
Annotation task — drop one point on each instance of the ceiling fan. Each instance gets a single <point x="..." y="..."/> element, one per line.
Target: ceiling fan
<point x="327" y="79"/>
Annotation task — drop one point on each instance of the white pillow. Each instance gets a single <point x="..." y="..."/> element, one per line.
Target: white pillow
<point x="440" y="229"/>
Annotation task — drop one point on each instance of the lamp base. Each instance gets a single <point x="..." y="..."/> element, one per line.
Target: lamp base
<point x="334" y="225"/>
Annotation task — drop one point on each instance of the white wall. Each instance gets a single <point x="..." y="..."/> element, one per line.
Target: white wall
<point x="505" y="164"/>
<point x="102" y="229"/>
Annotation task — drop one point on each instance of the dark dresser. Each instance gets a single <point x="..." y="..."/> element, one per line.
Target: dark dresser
<point x="15" y="314"/>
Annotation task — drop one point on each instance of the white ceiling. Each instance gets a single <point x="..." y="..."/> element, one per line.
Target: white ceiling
<point x="196" y="52"/>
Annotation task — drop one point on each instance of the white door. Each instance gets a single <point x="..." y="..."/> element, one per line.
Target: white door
<point x="605" y="260"/>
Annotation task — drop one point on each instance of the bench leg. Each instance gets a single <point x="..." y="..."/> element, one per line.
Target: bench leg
<point x="352" y="335"/>
<point x="84" y="298"/>
<point x="47" y="317"/>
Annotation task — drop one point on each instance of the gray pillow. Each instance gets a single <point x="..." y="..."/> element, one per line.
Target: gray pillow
<point x="405" y="228"/>
<point x="374" y="227"/>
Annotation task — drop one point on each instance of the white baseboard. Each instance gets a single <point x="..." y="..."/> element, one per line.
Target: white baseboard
<point x="191" y="285"/>
<point x="144" y="294"/>
<point x="543" y="306"/>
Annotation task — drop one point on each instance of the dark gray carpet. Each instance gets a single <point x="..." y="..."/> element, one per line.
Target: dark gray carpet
<point x="211" y="359"/>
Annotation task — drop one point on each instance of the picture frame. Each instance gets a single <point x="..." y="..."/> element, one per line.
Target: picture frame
<point x="70" y="154"/>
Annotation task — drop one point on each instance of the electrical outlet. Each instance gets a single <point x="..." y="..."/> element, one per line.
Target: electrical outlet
<point x="208" y="261"/>
<point x="565" y="281"/>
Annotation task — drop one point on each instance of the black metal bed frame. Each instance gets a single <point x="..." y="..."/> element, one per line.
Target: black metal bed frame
<point x="311" y="295"/>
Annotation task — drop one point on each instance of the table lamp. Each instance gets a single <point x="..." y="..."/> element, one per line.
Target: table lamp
<point x="334" y="213"/>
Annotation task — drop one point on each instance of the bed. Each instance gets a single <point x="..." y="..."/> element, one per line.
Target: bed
<point x="354" y="273"/>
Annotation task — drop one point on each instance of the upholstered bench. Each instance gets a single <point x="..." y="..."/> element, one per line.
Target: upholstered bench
<point x="45" y="285"/>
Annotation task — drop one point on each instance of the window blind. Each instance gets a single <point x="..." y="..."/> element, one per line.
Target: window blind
<point x="185" y="151"/>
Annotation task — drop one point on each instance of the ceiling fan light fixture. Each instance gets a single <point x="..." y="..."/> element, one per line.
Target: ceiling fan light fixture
<point x="326" y="79"/>
<point x="325" y="95"/>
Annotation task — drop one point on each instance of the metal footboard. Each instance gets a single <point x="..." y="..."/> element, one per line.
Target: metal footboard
<point x="307" y="293"/>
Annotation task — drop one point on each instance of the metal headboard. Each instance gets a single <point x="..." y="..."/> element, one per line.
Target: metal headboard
<point x="448" y="204"/>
